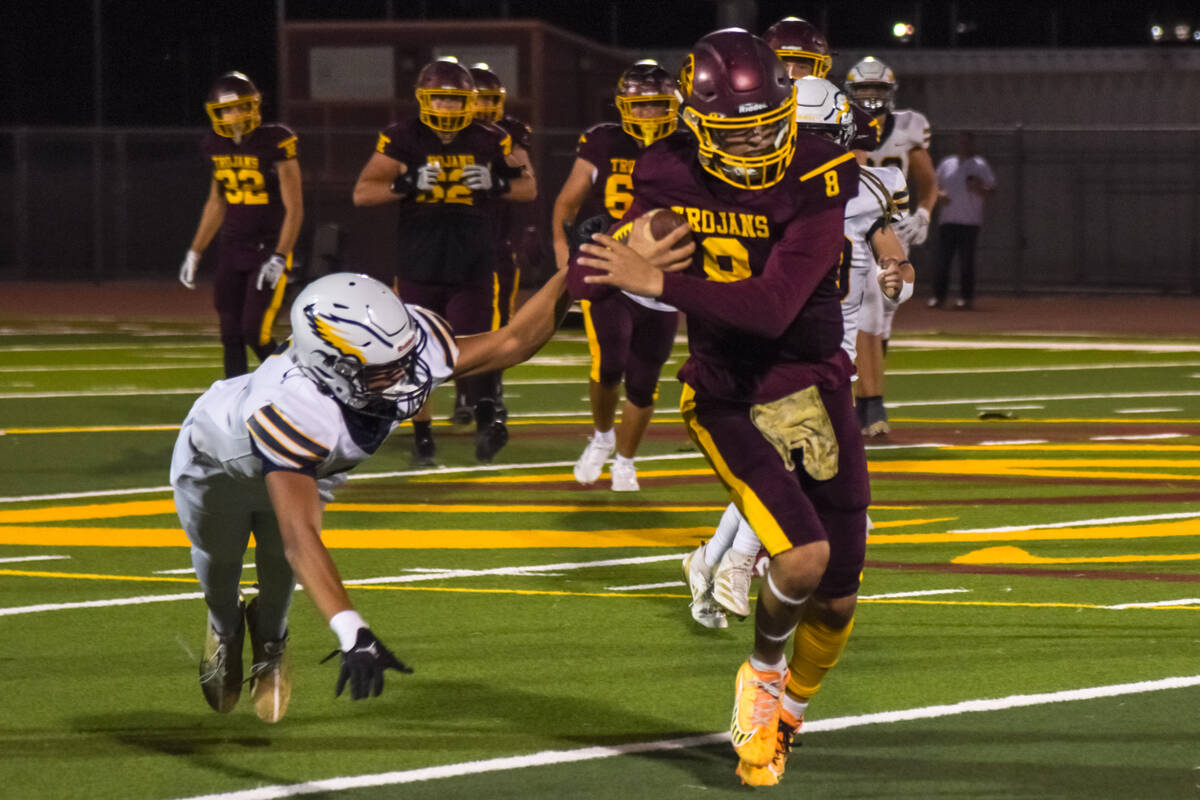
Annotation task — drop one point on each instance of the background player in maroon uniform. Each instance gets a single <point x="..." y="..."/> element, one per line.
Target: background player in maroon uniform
<point x="630" y="337"/>
<point x="517" y="245"/>
<point x="448" y="172"/>
<point x="767" y="390"/>
<point x="255" y="200"/>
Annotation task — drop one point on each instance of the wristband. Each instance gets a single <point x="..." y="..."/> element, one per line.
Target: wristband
<point x="906" y="291"/>
<point x="346" y="624"/>
<point x="501" y="185"/>
<point x="404" y="185"/>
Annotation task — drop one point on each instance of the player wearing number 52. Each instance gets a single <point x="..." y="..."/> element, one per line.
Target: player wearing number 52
<point x="255" y="200"/>
<point x="448" y="173"/>
<point x="630" y="337"/>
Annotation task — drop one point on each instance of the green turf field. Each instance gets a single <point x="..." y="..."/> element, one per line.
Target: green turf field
<point x="1029" y="624"/>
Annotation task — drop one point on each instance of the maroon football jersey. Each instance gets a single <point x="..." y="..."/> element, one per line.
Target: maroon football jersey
<point x="612" y="152"/>
<point x="248" y="180"/>
<point x="514" y="217"/>
<point x="762" y="339"/>
<point x="448" y="234"/>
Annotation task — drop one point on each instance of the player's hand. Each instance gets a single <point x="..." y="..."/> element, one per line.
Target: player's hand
<point x="670" y="253"/>
<point x="914" y="228"/>
<point x="622" y="266"/>
<point x="363" y="666"/>
<point x="427" y="176"/>
<point x="477" y="178"/>
<point x="891" y="278"/>
<point x="270" y="272"/>
<point x="187" y="270"/>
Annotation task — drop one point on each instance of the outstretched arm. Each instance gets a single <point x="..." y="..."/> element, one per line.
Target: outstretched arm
<point x="530" y="328"/>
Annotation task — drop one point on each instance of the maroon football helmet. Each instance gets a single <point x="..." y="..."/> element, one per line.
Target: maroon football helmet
<point x="234" y="105"/>
<point x="648" y="99"/>
<point x="799" y="43"/>
<point x="445" y="95"/>
<point x="740" y="103"/>
<point x="489" y="93"/>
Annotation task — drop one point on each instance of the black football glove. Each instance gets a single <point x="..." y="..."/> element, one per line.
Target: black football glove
<point x="582" y="233"/>
<point x="363" y="666"/>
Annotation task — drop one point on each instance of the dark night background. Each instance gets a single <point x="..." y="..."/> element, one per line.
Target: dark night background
<point x="159" y="58"/>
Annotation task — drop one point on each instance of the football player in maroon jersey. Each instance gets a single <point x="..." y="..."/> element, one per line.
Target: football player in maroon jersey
<point x="630" y="336"/>
<point x="767" y="385"/>
<point x="517" y="243"/>
<point x="255" y="200"/>
<point x="448" y="173"/>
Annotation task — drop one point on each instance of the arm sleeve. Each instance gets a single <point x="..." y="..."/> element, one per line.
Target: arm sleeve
<point x="765" y="305"/>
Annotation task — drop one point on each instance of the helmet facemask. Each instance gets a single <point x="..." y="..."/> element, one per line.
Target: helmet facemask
<point x="446" y="110"/>
<point x="648" y="117"/>
<point x="394" y="390"/>
<point x="235" y="116"/>
<point x="875" y="97"/>
<point x="818" y="63"/>
<point x="489" y="104"/>
<point x="723" y="139"/>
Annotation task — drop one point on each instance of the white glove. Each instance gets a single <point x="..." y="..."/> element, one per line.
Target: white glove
<point x="914" y="228"/>
<point x="427" y="176"/>
<point x="477" y="177"/>
<point x="187" y="270"/>
<point x="270" y="271"/>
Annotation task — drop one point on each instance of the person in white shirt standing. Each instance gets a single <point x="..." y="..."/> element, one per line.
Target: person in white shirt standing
<point x="965" y="180"/>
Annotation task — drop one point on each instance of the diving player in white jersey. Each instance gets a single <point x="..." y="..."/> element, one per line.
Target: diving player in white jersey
<point x="719" y="571"/>
<point x="261" y="453"/>
<point x="904" y="143"/>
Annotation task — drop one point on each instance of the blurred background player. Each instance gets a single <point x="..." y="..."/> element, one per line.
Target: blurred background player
<point x="630" y="337"/>
<point x="448" y="173"/>
<point x="262" y="453"/>
<point x="903" y="143"/>
<point x="767" y="386"/>
<point x="255" y="200"/>
<point x="965" y="180"/>
<point x="517" y="243"/>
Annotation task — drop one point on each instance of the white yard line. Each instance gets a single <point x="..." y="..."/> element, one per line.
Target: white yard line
<point x="1010" y="442"/>
<point x="1058" y="368"/>
<point x="1139" y="436"/>
<point x="970" y="401"/>
<point x="1043" y="344"/>
<point x="110" y="367"/>
<point x="921" y="593"/>
<point x="640" y="586"/>
<point x="549" y="757"/>
<point x="102" y="393"/>
<point x="1161" y="410"/>
<point x="30" y="348"/>
<point x="120" y="601"/>
<point x="17" y="559"/>
<point x="1187" y="601"/>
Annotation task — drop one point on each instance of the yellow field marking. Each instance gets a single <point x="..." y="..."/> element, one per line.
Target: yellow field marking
<point x="1084" y="447"/>
<point x="551" y="593"/>
<point x="1008" y="554"/>
<point x="1046" y="421"/>
<point x="90" y="429"/>
<point x="1187" y="527"/>
<point x="1045" y="468"/>
<point x="139" y="508"/>
<point x="901" y="523"/>
<point x="493" y="508"/>
<point x="549" y="477"/>
<point x="440" y="539"/>
<point x="28" y="573"/>
<point x="1011" y="604"/>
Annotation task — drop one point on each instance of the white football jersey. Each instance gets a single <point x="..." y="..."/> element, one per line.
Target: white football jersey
<point x="902" y="131"/>
<point x="866" y="213"/>
<point x="279" y="414"/>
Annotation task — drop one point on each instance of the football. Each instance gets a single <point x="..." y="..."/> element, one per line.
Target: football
<point x="662" y="221"/>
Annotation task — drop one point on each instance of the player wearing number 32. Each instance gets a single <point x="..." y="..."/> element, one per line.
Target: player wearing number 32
<point x="766" y="393"/>
<point x="448" y="172"/>
<point x="255" y="200"/>
<point x="630" y="337"/>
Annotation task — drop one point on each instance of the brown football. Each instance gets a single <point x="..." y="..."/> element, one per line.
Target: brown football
<point x="663" y="221"/>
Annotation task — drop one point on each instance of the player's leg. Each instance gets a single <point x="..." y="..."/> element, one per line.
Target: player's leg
<point x="651" y="341"/>
<point x="770" y="497"/>
<point x="731" y="579"/>
<point x="969" y="238"/>
<point x="266" y="620"/>
<point x="700" y="565"/>
<point x="432" y="297"/>
<point x="469" y="310"/>
<point x="609" y="326"/>
<point x="872" y="324"/>
<point x="942" y="265"/>
<point x="228" y="298"/>
<point x="260" y="307"/>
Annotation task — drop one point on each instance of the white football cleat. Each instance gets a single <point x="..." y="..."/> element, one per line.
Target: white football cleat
<point x="624" y="477"/>
<point x="591" y="463"/>
<point x="731" y="582"/>
<point x="704" y="609"/>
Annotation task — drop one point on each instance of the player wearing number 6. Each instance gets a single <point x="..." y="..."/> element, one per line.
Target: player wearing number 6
<point x="255" y="200"/>
<point x="448" y="171"/>
<point x="630" y="337"/>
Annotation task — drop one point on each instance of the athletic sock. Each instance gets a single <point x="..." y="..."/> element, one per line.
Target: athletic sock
<point x="746" y="542"/>
<point x="761" y="666"/>
<point x="623" y="461"/>
<point x="608" y="437"/>
<point x="815" y="650"/>
<point x="722" y="538"/>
